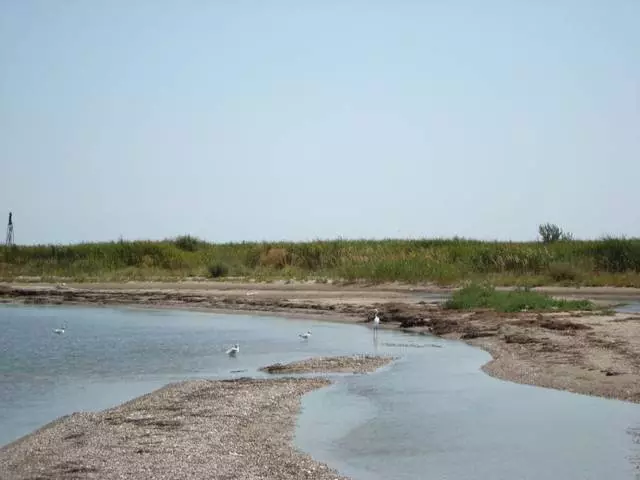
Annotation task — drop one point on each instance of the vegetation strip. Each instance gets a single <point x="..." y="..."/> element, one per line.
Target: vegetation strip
<point x="476" y="296"/>
<point x="558" y="260"/>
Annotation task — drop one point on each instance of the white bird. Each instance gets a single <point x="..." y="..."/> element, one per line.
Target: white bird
<point x="305" y="336"/>
<point x="60" y="331"/>
<point x="376" y="320"/>
<point x="233" y="350"/>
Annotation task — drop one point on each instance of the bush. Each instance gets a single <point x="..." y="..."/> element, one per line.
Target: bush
<point x="563" y="272"/>
<point x="217" y="270"/>
<point x="275" y="258"/>
<point x="188" y="243"/>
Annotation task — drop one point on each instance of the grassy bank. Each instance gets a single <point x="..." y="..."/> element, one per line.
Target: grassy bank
<point x="609" y="261"/>
<point x="477" y="296"/>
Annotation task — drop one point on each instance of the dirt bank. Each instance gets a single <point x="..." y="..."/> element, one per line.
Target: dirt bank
<point x="343" y="364"/>
<point x="585" y="353"/>
<point x="589" y="354"/>
<point x="192" y="430"/>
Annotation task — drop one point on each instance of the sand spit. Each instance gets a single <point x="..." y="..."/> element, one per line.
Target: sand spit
<point x="344" y="364"/>
<point x="233" y="429"/>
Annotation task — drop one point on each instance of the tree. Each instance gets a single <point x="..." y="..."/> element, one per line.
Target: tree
<point x="550" y="232"/>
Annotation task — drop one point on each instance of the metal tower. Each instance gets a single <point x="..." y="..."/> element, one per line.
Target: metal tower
<point x="10" y="241"/>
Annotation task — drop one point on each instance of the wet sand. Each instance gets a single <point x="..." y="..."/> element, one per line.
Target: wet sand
<point x="343" y="364"/>
<point x="581" y="352"/>
<point x="240" y="429"/>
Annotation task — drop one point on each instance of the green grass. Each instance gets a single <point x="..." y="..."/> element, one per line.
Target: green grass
<point x="477" y="296"/>
<point x="608" y="261"/>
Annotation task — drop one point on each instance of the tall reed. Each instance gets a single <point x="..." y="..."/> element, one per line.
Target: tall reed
<point x="607" y="261"/>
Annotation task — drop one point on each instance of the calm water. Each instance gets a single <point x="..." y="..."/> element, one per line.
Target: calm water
<point x="108" y="356"/>
<point x="630" y="307"/>
<point x="432" y="414"/>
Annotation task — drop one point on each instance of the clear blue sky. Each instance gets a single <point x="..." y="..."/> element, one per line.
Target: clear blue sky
<point x="242" y="120"/>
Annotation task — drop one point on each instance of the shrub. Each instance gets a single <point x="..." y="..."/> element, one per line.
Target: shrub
<point x="563" y="272"/>
<point x="218" y="269"/>
<point x="188" y="243"/>
<point x="274" y="257"/>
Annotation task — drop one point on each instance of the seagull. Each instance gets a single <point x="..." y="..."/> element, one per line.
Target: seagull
<point x="305" y="336"/>
<point x="376" y="320"/>
<point x="233" y="350"/>
<point x="60" y="330"/>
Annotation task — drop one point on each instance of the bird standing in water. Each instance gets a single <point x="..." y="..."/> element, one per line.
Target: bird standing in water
<point x="233" y="350"/>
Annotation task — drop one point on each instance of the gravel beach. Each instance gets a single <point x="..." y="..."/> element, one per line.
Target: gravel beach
<point x="234" y="429"/>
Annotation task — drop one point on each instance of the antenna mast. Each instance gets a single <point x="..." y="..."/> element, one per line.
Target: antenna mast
<point x="10" y="240"/>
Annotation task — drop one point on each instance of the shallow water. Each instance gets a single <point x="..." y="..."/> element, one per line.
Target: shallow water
<point x="630" y="307"/>
<point x="434" y="414"/>
<point x="108" y="356"/>
<point x="431" y="414"/>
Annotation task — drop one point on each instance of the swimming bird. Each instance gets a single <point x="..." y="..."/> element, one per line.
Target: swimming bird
<point x="305" y="336"/>
<point x="233" y="350"/>
<point x="376" y="320"/>
<point x="60" y="330"/>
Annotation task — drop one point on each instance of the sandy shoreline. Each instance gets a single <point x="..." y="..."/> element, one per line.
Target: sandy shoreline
<point x="241" y="428"/>
<point x="583" y="353"/>
<point x="244" y="428"/>
<point x="191" y="430"/>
